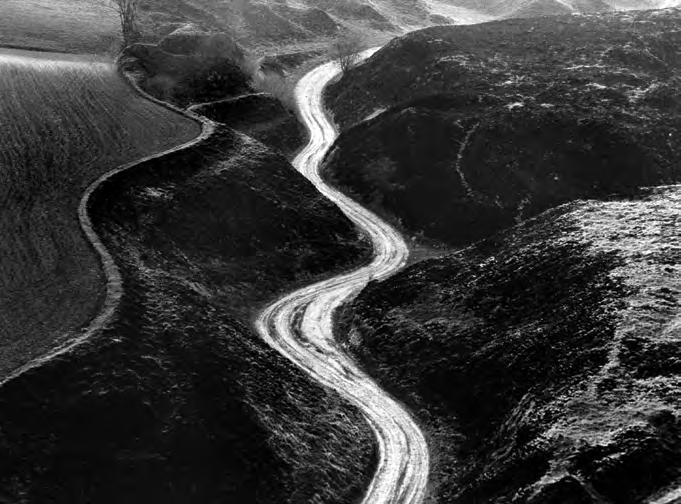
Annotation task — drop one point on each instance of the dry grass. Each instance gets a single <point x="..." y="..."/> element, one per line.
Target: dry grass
<point x="64" y="123"/>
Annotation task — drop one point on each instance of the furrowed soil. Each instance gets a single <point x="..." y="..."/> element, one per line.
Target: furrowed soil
<point x="178" y="400"/>
<point x="65" y="122"/>
<point x="78" y="26"/>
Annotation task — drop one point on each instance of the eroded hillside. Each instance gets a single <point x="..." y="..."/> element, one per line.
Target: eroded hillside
<point x="544" y="362"/>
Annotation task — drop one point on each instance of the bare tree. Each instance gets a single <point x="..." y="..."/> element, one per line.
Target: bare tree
<point x="346" y="49"/>
<point x="127" y="13"/>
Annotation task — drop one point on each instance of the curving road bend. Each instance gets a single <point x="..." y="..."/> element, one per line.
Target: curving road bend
<point x="300" y="324"/>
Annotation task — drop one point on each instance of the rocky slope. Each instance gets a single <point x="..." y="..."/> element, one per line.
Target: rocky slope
<point x="544" y="362"/>
<point x="179" y="400"/>
<point x="481" y="126"/>
<point x="86" y="26"/>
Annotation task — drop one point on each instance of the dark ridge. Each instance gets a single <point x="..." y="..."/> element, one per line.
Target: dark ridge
<point x="260" y="116"/>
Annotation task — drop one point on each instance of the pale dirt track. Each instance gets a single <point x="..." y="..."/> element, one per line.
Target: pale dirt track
<point x="300" y="324"/>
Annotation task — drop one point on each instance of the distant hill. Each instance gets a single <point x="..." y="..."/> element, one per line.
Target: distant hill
<point x="538" y="8"/>
<point x="302" y="27"/>
<point x="643" y="4"/>
<point x="266" y="26"/>
<point x="534" y="8"/>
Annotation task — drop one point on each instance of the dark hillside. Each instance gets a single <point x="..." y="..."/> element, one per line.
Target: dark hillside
<point x="190" y="66"/>
<point x="190" y="73"/>
<point x="544" y="362"/>
<point x="179" y="401"/>
<point x="260" y="116"/>
<point x="480" y="126"/>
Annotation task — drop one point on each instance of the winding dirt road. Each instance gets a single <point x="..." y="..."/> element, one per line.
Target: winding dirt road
<point x="300" y="325"/>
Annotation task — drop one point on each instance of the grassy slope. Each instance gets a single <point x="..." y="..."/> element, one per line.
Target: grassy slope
<point x="179" y="400"/>
<point x="273" y="27"/>
<point x="259" y="116"/>
<point x="544" y="362"/>
<point x="65" y="123"/>
<point x="493" y="123"/>
<point x="81" y="26"/>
